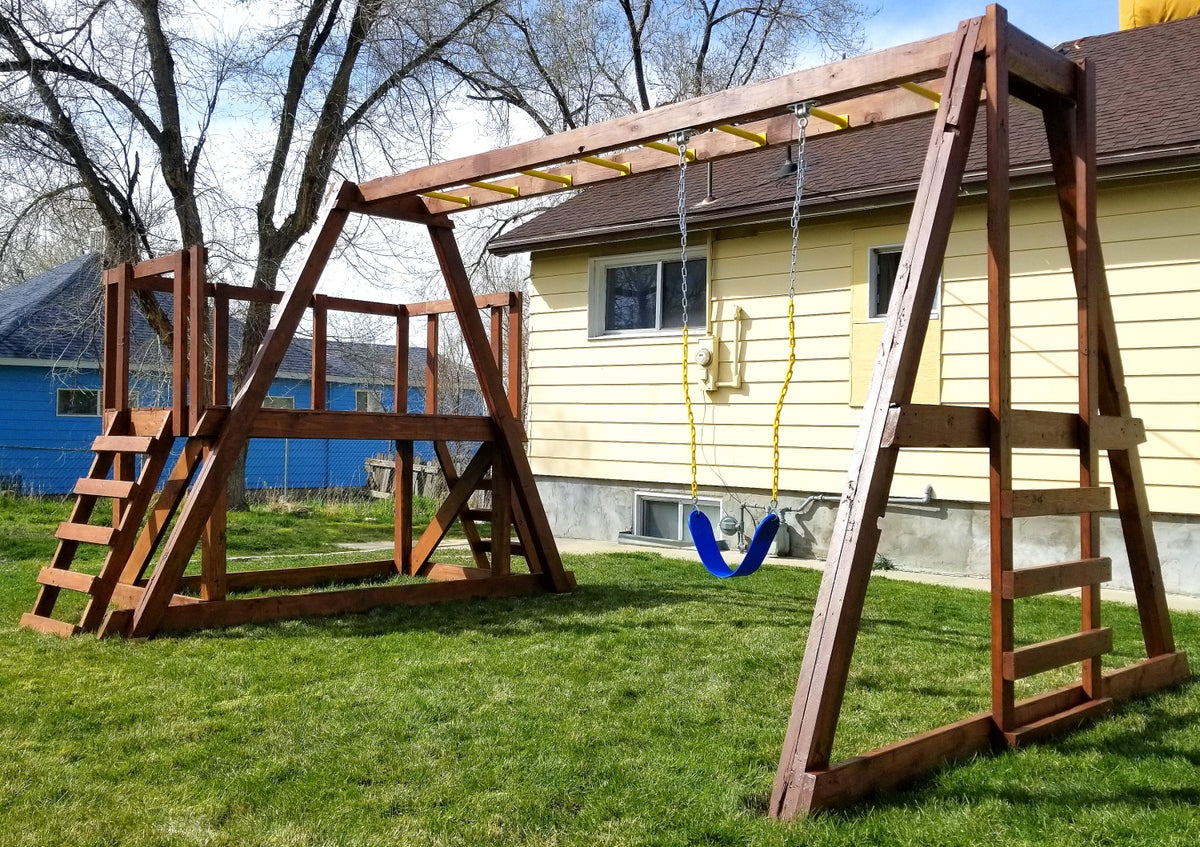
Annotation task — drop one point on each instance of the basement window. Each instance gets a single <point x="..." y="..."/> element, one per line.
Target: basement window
<point x="78" y="403"/>
<point x="664" y="517"/>
<point x="644" y="294"/>
<point x="884" y="266"/>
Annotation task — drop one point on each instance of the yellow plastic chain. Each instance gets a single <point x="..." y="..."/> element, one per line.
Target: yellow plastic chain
<point x="681" y="139"/>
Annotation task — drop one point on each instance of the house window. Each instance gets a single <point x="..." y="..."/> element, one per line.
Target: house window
<point x="368" y="400"/>
<point x="279" y="401"/>
<point x="641" y="294"/>
<point x="884" y="265"/>
<point x="78" y="402"/>
<point x="664" y="517"/>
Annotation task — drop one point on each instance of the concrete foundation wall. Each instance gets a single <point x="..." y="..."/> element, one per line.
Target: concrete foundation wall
<point x="941" y="537"/>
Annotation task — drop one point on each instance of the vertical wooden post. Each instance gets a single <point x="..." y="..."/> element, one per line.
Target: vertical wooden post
<point x="431" y="365"/>
<point x="320" y="317"/>
<point x="516" y="355"/>
<point x="197" y="332"/>
<point x="1089" y="375"/>
<point x="112" y="293"/>
<point x="220" y="347"/>
<point x="838" y="608"/>
<point x="402" y="475"/>
<point x="999" y="361"/>
<point x="123" y="467"/>
<point x="498" y="335"/>
<point x="179" y="353"/>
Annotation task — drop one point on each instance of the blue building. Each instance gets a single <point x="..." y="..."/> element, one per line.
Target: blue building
<point x="51" y="344"/>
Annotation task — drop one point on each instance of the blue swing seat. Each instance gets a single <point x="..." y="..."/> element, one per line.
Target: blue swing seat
<point x="706" y="545"/>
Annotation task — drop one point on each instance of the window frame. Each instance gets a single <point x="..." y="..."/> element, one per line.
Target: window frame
<point x="683" y="504"/>
<point x="873" y="252"/>
<point x="598" y="268"/>
<point x="276" y="401"/>
<point x="368" y="393"/>
<point x="77" y="389"/>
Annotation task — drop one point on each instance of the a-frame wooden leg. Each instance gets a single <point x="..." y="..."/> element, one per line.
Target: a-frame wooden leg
<point x="838" y="609"/>
<point x="528" y="503"/>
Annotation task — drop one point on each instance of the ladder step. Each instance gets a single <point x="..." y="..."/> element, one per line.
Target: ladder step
<point x="86" y="533"/>
<point x="484" y="484"/>
<point x="118" y="489"/>
<point x="62" y="578"/>
<point x="484" y="515"/>
<point x="122" y="444"/>
<point x="1063" y="721"/>
<point x="515" y="549"/>
<point x="1044" y="579"/>
<point x="1033" y="502"/>
<point x="1058" y="652"/>
<point x="48" y="625"/>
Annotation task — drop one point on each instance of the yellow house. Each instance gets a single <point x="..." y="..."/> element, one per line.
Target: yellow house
<point x="607" y="423"/>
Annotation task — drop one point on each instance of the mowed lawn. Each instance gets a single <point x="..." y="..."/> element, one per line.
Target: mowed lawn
<point x="647" y="707"/>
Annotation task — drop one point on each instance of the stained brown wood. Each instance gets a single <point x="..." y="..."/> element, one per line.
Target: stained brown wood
<point x="966" y="427"/>
<point x="402" y="542"/>
<point x="197" y="332"/>
<point x="516" y="354"/>
<point x="121" y="444"/>
<point x="179" y="342"/>
<point x="85" y="533"/>
<point x="302" y="423"/>
<point x="50" y="626"/>
<point x="1057" y="652"/>
<point x="451" y="508"/>
<point x="72" y="580"/>
<point x="320" y="351"/>
<point x="838" y="608"/>
<point x="165" y="506"/>
<point x="115" y="488"/>
<point x="1033" y="502"/>
<point x="1147" y="676"/>
<point x="444" y="572"/>
<point x="1044" y="579"/>
<point x="112" y="293"/>
<point x="120" y="380"/>
<point x="213" y="577"/>
<point x="1059" y="723"/>
<point x="220" y="359"/>
<point x="298" y="577"/>
<point x="329" y="603"/>
<point x="445" y="460"/>
<point x="1044" y="68"/>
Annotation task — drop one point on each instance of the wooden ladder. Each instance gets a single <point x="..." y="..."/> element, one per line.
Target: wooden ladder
<point x="131" y="500"/>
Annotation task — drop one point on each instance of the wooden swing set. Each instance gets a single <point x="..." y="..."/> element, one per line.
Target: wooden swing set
<point x="142" y="589"/>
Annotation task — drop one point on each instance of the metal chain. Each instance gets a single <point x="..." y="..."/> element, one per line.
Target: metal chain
<point x="802" y="111"/>
<point x="681" y="139"/>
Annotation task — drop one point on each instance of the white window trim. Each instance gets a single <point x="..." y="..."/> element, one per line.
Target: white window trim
<point x="640" y="497"/>
<point x="934" y="314"/>
<point x="58" y="405"/>
<point x="378" y="394"/>
<point x="597" y="273"/>
<point x="288" y="397"/>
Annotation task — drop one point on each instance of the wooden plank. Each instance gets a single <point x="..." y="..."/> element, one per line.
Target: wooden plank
<point x="71" y="580"/>
<point x="432" y="355"/>
<point x="963" y="427"/>
<point x="490" y="545"/>
<point x="157" y="266"/>
<point x="529" y="513"/>
<point x="855" y="536"/>
<point x="120" y="372"/>
<point x="894" y="764"/>
<point x="1000" y="445"/>
<point x="48" y="625"/>
<point x="121" y="444"/>
<point x="197" y="335"/>
<point x="403" y="492"/>
<point x="179" y="343"/>
<point x="400" y="379"/>
<point x="115" y="488"/>
<point x="443" y="572"/>
<point x="213" y="548"/>
<point x="450" y="509"/>
<point x="85" y="533"/>
<point x="442" y="307"/>
<point x="1060" y="723"/>
<point x="164" y="510"/>
<point x="1033" y="502"/>
<point x="112" y="294"/>
<point x="116" y="623"/>
<point x="320" y="324"/>
<point x="471" y="532"/>
<point x="220" y="613"/>
<point x="1044" y="579"/>
<point x="835" y="81"/>
<point x="496" y="336"/>
<point x="305" y="423"/>
<point x="298" y="577"/>
<point x="1040" y="65"/>
<point x="1057" y="652"/>
<point x="220" y="342"/>
<point x="516" y="354"/>
<point x="1116" y="432"/>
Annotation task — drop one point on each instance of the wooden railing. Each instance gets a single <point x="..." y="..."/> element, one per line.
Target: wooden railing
<point x="200" y="311"/>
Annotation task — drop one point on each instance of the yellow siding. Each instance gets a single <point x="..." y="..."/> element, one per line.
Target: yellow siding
<point x="612" y="408"/>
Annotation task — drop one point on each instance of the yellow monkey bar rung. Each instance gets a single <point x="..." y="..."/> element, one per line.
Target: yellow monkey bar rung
<point x="922" y="91"/>
<point x="510" y="190"/>
<point x="759" y="138"/>
<point x="449" y="198"/>
<point x="623" y="167"/>
<point x="840" y="121"/>
<point x="670" y="148"/>
<point x="561" y="179"/>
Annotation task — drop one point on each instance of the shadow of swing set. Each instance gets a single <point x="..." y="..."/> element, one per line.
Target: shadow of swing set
<point x="141" y="589"/>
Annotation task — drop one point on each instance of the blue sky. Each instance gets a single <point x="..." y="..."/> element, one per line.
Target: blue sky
<point x="1051" y="21"/>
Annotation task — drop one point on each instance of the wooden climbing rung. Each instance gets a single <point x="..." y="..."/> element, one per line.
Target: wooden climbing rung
<point x="484" y="515"/>
<point x="118" y="489"/>
<point x="72" y="580"/>
<point x="86" y="533"/>
<point x="515" y="549"/>
<point x="1059" y="723"/>
<point x="1057" y="652"/>
<point x="1044" y="579"/>
<point x="48" y="625"/>
<point x="1035" y="502"/>
<point x="122" y="444"/>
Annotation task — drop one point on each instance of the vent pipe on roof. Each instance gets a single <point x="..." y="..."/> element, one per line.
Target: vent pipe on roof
<point x="709" y="197"/>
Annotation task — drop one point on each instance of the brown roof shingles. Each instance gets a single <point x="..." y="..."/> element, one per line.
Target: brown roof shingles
<point x="1148" y="85"/>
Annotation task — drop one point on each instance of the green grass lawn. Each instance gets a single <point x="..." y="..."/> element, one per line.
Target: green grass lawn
<point x="647" y="707"/>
